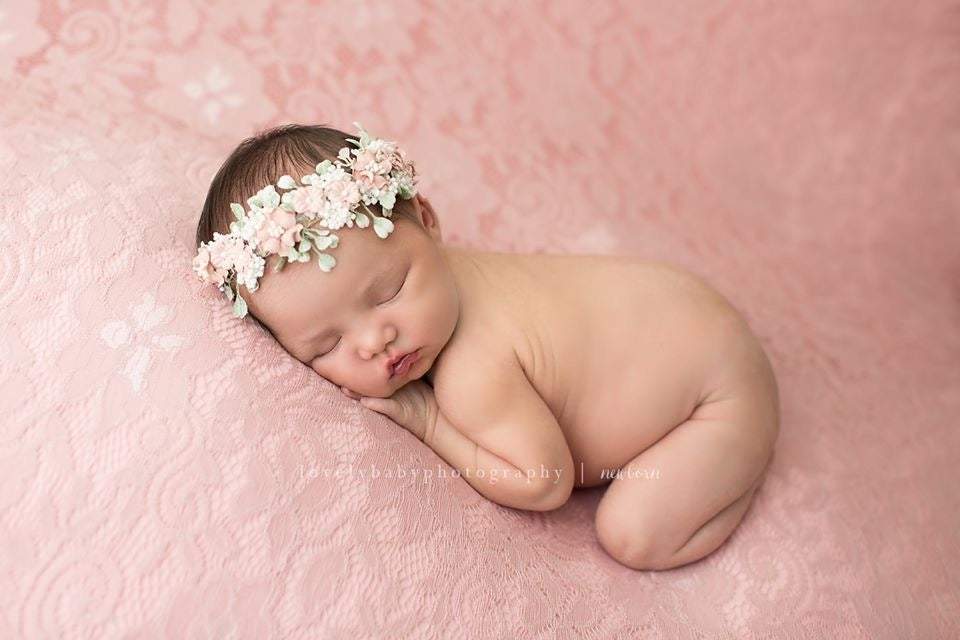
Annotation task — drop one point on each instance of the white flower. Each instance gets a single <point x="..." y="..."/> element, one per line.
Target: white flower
<point x="251" y="226"/>
<point x="388" y="198"/>
<point x="250" y="271"/>
<point x="135" y="336"/>
<point x="337" y="216"/>
<point x="213" y="93"/>
<point x="225" y="250"/>
<point x="251" y="278"/>
<point x="334" y="175"/>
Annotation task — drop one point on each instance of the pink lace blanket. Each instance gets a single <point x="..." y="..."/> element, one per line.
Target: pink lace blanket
<point x="168" y="472"/>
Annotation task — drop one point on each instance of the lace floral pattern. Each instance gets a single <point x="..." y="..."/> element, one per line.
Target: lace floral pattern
<point x="169" y="472"/>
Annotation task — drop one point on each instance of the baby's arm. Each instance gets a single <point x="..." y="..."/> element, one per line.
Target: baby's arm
<point x="494" y="427"/>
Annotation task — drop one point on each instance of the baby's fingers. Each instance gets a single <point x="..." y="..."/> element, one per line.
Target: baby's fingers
<point x="386" y="406"/>
<point x="350" y="394"/>
<point x="400" y="410"/>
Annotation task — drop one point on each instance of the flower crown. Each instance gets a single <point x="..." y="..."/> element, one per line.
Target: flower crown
<point x="300" y="221"/>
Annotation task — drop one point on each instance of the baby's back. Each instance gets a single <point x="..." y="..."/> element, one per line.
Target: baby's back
<point x="621" y="349"/>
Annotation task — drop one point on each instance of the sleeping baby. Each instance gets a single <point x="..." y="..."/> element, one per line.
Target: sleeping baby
<point x="531" y="375"/>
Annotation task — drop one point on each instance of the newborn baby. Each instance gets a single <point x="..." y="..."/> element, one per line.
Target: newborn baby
<point x="529" y="374"/>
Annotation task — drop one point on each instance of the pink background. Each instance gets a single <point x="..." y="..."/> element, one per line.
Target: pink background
<point x="156" y="455"/>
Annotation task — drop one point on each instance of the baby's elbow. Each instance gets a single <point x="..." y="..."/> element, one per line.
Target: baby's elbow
<point x="551" y="494"/>
<point x="549" y="499"/>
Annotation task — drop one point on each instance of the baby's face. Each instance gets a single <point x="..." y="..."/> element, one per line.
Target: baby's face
<point x="384" y="298"/>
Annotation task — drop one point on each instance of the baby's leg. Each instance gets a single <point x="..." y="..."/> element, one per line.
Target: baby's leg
<point x="691" y="488"/>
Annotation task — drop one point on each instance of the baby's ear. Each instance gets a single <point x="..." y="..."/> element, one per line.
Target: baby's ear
<point x="428" y="217"/>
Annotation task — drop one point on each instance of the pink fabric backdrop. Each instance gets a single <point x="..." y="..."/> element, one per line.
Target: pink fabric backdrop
<point x="161" y="465"/>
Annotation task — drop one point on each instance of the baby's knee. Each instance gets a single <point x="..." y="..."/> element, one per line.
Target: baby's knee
<point x="634" y="545"/>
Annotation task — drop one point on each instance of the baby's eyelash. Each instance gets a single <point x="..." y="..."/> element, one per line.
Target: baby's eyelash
<point x="398" y="291"/>
<point x="331" y="348"/>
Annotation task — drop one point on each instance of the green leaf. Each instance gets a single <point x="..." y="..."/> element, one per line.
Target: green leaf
<point x="382" y="226"/>
<point x="280" y="264"/>
<point x="271" y="199"/>
<point x="363" y="220"/>
<point x="325" y="261"/>
<point x="387" y="199"/>
<point x="304" y="246"/>
<point x="237" y="209"/>
<point x="240" y="307"/>
<point x="286" y="182"/>
<point x="323" y="242"/>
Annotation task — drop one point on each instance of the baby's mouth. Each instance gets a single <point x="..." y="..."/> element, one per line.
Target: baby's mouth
<point x="402" y="365"/>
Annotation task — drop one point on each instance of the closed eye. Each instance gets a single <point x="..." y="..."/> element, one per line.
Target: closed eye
<point x="398" y="291"/>
<point x="331" y="348"/>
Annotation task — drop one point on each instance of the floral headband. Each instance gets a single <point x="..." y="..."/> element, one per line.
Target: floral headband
<point x="300" y="221"/>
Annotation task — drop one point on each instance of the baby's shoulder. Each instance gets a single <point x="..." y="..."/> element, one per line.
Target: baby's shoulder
<point x="471" y="351"/>
<point x="475" y="352"/>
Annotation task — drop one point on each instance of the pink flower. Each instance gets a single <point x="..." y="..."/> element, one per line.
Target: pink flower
<point x="242" y="260"/>
<point x="205" y="270"/>
<point x="376" y="159"/>
<point x="215" y="258"/>
<point x="400" y="162"/>
<point x="289" y="239"/>
<point x="343" y="192"/>
<point x="279" y="232"/>
<point x="201" y="260"/>
<point x="308" y="199"/>
<point x="367" y="181"/>
<point x="224" y="250"/>
<point x="364" y="161"/>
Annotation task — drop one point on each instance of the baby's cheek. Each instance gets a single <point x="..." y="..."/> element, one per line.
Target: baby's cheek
<point x="338" y="376"/>
<point x="324" y="372"/>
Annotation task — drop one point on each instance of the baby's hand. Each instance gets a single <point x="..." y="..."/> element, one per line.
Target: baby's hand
<point x="412" y="406"/>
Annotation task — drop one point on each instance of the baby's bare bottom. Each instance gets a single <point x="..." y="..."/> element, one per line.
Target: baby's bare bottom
<point x="682" y="497"/>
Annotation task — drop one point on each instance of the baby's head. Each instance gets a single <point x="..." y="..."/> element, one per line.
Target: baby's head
<point x="351" y="298"/>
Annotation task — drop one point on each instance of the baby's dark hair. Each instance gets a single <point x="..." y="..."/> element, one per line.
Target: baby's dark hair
<point x="290" y="149"/>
